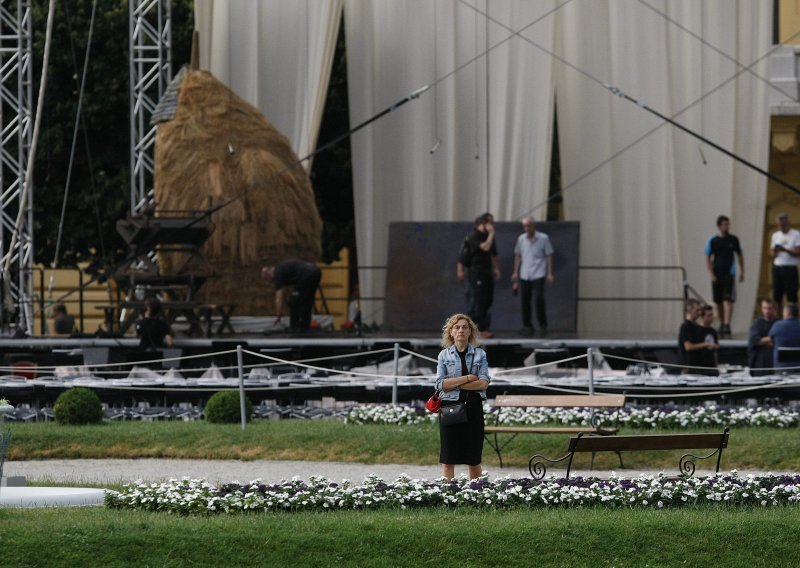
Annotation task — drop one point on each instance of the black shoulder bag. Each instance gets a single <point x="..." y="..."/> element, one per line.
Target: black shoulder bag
<point x="454" y="413"/>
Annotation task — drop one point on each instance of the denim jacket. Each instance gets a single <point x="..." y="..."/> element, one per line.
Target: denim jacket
<point x="449" y="366"/>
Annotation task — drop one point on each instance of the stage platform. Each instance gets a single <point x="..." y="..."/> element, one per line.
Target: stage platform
<point x="508" y="350"/>
<point x="295" y="369"/>
<point x="505" y="351"/>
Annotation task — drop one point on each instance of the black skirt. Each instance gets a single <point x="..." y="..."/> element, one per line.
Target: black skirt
<point x="463" y="443"/>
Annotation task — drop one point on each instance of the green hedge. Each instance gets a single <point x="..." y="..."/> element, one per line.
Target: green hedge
<point x="224" y="408"/>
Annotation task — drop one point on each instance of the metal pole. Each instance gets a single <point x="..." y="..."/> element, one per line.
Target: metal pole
<point x="590" y="366"/>
<point x="241" y="385"/>
<point x="396" y="370"/>
<point x="80" y="297"/>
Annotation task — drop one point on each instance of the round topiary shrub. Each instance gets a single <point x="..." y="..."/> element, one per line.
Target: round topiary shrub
<point x="78" y="406"/>
<point x="223" y="408"/>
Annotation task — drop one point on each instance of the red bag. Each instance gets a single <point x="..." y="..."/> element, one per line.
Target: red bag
<point x="434" y="403"/>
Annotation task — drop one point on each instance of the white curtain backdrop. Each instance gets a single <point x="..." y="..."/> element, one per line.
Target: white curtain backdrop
<point x="657" y="202"/>
<point x="488" y="119"/>
<point x="276" y="55"/>
<point x="397" y="46"/>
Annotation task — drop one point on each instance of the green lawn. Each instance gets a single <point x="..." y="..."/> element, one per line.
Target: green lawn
<point x="698" y="536"/>
<point x="704" y="536"/>
<point x="749" y="448"/>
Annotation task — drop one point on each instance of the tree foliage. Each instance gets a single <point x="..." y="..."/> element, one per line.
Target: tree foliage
<point x="99" y="186"/>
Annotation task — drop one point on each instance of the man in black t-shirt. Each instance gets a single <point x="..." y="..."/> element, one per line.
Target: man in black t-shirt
<point x="721" y="252"/>
<point x="463" y="266"/>
<point x="303" y="277"/>
<point x="708" y="357"/>
<point x="480" y="252"/>
<point x="153" y="331"/>
<point x="692" y="339"/>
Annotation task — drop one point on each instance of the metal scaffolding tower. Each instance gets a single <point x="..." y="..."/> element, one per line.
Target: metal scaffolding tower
<point x="151" y="72"/>
<point x="16" y="130"/>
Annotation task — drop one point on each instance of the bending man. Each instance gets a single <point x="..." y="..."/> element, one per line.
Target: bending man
<point x="303" y="277"/>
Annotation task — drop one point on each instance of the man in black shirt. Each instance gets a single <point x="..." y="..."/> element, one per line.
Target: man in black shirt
<point x="484" y="268"/>
<point x="721" y="252"/>
<point x="153" y="331"/>
<point x="303" y="277"/>
<point x="463" y="266"/>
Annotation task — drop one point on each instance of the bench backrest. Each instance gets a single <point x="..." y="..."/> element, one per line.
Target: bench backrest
<point x="560" y="401"/>
<point x="648" y="442"/>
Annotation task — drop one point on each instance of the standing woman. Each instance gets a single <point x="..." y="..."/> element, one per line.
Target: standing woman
<point x="462" y="375"/>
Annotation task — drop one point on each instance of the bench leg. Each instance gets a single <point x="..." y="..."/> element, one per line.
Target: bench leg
<point x="496" y="447"/>
<point x="569" y="464"/>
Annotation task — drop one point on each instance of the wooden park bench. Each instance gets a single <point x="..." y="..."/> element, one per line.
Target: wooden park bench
<point x="492" y="432"/>
<point x="582" y="444"/>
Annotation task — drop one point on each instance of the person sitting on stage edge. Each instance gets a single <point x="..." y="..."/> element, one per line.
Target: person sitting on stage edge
<point x="692" y="339"/>
<point x="786" y="333"/>
<point x="707" y="358"/>
<point x="304" y="278"/>
<point x="153" y="331"/>
<point x="63" y="323"/>
<point x="759" y="343"/>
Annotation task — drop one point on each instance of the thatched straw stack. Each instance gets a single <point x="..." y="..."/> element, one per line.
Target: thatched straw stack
<point x="219" y="147"/>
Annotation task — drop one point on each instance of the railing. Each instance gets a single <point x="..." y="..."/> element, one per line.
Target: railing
<point x="325" y="299"/>
<point x="65" y="298"/>
<point x="686" y="291"/>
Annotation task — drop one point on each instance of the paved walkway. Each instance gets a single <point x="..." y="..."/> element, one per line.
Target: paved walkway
<point x="98" y="471"/>
<point x="218" y="471"/>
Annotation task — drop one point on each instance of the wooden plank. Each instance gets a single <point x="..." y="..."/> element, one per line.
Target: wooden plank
<point x="544" y="430"/>
<point x="647" y="442"/>
<point x="559" y="401"/>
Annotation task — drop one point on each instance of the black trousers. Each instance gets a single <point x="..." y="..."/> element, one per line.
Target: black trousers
<point x="301" y="302"/>
<point x="483" y="294"/>
<point x="533" y="289"/>
<point x="784" y="281"/>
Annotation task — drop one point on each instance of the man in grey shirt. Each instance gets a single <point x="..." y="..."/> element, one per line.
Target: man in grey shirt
<point x="533" y="266"/>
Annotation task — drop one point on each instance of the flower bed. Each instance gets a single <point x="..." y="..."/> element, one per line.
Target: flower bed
<point x="666" y="417"/>
<point x="192" y="496"/>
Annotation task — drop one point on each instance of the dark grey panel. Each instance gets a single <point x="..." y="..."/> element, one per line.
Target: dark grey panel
<point x="422" y="289"/>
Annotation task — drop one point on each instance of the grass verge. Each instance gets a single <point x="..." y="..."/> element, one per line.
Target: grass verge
<point x="704" y="536"/>
<point x="767" y="449"/>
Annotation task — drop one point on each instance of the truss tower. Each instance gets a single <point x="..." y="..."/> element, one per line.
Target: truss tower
<point x="16" y="130"/>
<point x="151" y="72"/>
